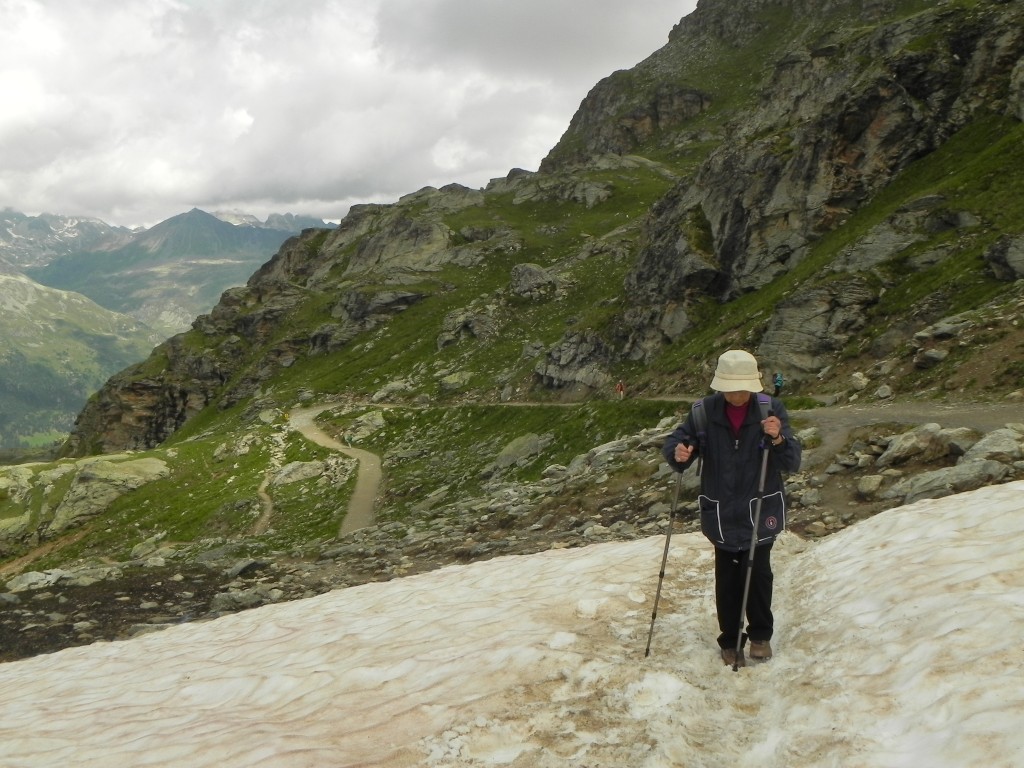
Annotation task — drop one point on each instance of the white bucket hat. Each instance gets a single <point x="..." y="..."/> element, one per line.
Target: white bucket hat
<point x="737" y="371"/>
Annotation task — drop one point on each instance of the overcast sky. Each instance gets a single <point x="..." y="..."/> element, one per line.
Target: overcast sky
<point x="133" y="112"/>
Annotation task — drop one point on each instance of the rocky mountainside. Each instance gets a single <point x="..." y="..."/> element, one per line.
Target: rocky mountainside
<point x="845" y="100"/>
<point x="826" y="186"/>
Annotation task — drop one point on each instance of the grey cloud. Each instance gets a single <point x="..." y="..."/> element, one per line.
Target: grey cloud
<point x="133" y="112"/>
<point x="543" y="38"/>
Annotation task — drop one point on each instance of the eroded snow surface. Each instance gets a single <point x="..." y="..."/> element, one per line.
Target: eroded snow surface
<point x="898" y="643"/>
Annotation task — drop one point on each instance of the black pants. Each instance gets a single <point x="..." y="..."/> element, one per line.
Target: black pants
<point x="730" y="577"/>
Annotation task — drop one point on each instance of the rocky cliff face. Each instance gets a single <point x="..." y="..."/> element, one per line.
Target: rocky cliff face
<point x="839" y="115"/>
<point x="832" y="158"/>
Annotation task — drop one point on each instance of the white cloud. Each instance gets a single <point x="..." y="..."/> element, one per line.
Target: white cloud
<point x="134" y="112"/>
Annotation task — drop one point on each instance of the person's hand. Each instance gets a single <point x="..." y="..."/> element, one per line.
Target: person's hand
<point x="683" y="453"/>
<point x="772" y="427"/>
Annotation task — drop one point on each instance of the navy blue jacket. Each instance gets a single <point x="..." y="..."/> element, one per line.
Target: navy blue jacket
<point x="731" y="472"/>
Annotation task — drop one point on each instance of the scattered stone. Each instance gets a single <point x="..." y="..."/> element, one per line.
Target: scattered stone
<point x="869" y="485"/>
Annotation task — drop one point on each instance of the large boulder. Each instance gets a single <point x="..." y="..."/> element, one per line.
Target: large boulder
<point x="531" y="281"/>
<point x="963" y="477"/>
<point x="1004" y="445"/>
<point x="98" y="483"/>
<point x="924" y="443"/>
<point x="1006" y="258"/>
<point x="578" y="362"/>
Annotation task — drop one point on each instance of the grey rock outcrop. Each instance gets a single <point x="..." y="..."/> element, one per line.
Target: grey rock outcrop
<point x="946" y="482"/>
<point x="1003" y="445"/>
<point x="465" y="323"/>
<point x="577" y="363"/>
<point x="809" y="327"/>
<point x="820" y="145"/>
<point x="532" y="281"/>
<point x="53" y="500"/>
<point x="522" y="450"/>
<point x="925" y="443"/>
<point x="1006" y="257"/>
<point x="98" y="483"/>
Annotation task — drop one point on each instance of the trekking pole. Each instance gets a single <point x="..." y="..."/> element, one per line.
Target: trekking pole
<point x="750" y="556"/>
<point x="664" y="560"/>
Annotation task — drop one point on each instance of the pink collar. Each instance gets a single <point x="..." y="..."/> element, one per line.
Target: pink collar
<point x="736" y="414"/>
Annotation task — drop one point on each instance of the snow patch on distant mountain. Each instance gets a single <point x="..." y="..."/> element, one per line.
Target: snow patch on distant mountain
<point x="238" y="218"/>
<point x="32" y="241"/>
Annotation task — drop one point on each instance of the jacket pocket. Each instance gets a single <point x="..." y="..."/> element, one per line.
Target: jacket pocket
<point x="711" y="519"/>
<point x="772" y="521"/>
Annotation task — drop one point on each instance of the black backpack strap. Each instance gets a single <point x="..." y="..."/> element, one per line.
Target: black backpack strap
<point x="699" y="413"/>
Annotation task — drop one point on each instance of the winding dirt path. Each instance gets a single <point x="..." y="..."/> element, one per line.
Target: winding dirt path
<point x="266" y="509"/>
<point x="833" y="422"/>
<point x="368" y="478"/>
<point x="20" y="563"/>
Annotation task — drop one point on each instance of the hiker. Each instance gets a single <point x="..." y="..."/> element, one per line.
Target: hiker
<point x="778" y="381"/>
<point x="729" y="447"/>
<point x="620" y="389"/>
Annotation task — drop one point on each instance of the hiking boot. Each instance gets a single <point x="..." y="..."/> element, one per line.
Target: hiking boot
<point x="760" y="650"/>
<point x="729" y="657"/>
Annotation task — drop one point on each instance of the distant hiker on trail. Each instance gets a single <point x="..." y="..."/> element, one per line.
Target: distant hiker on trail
<point x="620" y="389"/>
<point x="778" y="381"/>
<point x="743" y="442"/>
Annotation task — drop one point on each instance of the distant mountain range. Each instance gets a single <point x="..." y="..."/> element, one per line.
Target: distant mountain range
<point x="28" y="242"/>
<point x="34" y="241"/>
<point x="164" y="276"/>
<point x="82" y="299"/>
